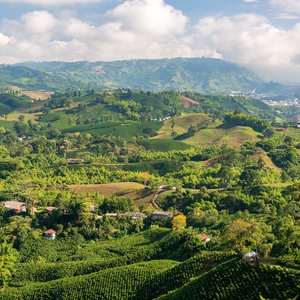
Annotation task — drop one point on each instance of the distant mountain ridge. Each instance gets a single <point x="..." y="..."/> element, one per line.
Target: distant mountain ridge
<point x="204" y="75"/>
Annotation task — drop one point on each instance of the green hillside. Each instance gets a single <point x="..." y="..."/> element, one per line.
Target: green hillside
<point x="135" y="272"/>
<point x="200" y="74"/>
<point x="236" y="279"/>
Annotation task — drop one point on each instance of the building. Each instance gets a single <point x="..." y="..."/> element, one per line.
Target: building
<point x="134" y="215"/>
<point x="113" y="215"/>
<point x="15" y="206"/>
<point x="75" y="160"/>
<point x="204" y="237"/>
<point x="50" y="209"/>
<point x="50" y="234"/>
<point x="161" y="215"/>
<point x="250" y="256"/>
<point x="162" y="187"/>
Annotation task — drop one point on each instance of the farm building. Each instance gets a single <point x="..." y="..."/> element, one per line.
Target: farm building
<point x="134" y="215"/>
<point x="250" y="256"/>
<point x="50" y="234"/>
<point x="113" y="215"/>
<point x="160" y="215"/>
<point x="50" y="209"/>
<point x="204" y="237"/>
<point x="15" y="206"/>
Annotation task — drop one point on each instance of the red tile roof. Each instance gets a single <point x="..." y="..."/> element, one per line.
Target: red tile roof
<point x="203" y="236"/>
<point x="50" y="232"/>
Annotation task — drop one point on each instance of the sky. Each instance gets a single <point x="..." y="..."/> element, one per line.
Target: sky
<point x="263" y="35"/>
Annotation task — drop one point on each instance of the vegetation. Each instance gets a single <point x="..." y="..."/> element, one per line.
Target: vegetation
<point x="139" y="195"/>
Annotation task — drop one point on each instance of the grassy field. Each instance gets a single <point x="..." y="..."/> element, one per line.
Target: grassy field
<point x="181" y="125"/>
<point x="294" y="133"/>
<point x="267" y="161"/>
<point x="37" y="95"/>
<point x="6" y="124"/>
<point x="141" y="196"/>
<point x="13" y="117"/>
<point x="233" y="137"/>
<point x="211" y="134"/>
<point x="107" y="189"/>
<point x="187" y="102"/>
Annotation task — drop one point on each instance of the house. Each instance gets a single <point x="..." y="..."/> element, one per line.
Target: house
<point x="92" y="208"/>
<point x="204" y="237"/>
<point x="250" y="256"/>
<point x="50" y="209"/>
<point x="160" y="215"/>
<point x="50" y="234"/>
<point x="75" y="160"/>
<point x="162" y="187"/>
<point x="15" y="206"/>
<point x="134" y="215"/>
<point x="113" y="215"/>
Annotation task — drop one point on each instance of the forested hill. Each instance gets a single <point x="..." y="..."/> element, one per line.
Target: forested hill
<point x="199" y="74"/>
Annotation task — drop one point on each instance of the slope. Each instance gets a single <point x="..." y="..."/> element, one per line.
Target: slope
<point x="237" y="279"/>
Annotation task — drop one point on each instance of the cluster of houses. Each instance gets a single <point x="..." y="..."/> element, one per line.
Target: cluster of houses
<point x="286" y="102"/>
<point x="161" y="119"/>
<point x="18" y="207"/>
<point x="15" y="206"/>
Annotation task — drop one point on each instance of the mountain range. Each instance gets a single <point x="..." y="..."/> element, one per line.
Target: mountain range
<point x="204" y="75"/>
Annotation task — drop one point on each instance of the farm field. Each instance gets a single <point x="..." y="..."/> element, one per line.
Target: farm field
<point x="294" y="133"/>
<point x="181" y="125"/>
<point x="108" y="189"/>
<point x="212" y="133"/>
<point x="232" y="137"/>
<point x="13" y="117"/>
<point x="131" y="268"/>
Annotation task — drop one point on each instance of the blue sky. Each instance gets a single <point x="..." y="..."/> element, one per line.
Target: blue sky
<point x="263" y="35"/>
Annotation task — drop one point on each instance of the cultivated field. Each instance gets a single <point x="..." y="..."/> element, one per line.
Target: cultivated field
<point x="212" y="133"/>
<point x="107" y="189"/>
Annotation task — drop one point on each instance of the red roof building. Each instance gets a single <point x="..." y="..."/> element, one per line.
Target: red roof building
<point x="50" y="234"/>
<point x="204" y="237"/>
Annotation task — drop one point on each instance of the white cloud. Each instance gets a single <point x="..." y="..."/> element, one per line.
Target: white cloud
<point x="4" y="40"/>
<point x="251" y="1"/>
<point x="150" y="29"/>
<point x="38" y="22"/>
<point x="252" y="40"/>
<point x="50" y="2"/>
<point x="151" y="17"/>
<point x="287" y="5"/>
<point x="286" y="16"/>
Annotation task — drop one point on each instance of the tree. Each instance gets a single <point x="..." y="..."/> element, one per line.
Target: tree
<point x="17" y="230"/>
<point x="179" y="222"/>
<point x="192" y="130"/>
<point x="87" y="136"/>
<point x="21" y="118"/>
<point x="4" y="152"/>
<point x="8" y="258"/>
<point x="243" y="235"/>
